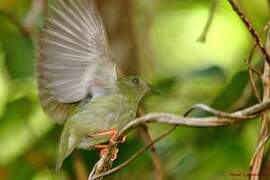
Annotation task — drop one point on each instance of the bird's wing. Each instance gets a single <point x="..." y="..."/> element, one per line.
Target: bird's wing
<point x="74" y="59"/>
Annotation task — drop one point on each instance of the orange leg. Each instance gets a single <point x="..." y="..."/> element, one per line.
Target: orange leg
<point x="111" y="133"/>
<point x="104" y="147"/>
<point x="104" y="150"/>
<point x="101" y="146"/>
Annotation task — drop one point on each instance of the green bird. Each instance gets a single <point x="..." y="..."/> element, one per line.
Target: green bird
<point x="77" y="79"/>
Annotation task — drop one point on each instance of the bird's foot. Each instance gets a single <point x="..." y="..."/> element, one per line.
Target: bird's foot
<point x="104" y="150"/>
<point x="112" y="133"/>
<point x="113" y="139"/>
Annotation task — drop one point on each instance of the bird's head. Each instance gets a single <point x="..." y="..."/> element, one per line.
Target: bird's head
<point x="134" y="86"/>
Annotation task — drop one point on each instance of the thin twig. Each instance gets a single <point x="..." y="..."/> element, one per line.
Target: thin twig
<point x="134" y="156"/>
<point x="266" y="166"/>
<point x="250" y="29"/>
<point x="253" y="85"/>
<point x="251" y="53"/>
<point x="254" y="46"/>
<point x="252" y="70"/>
<point x="264" y="130"/>
<point x="146" y="137"/>
<point x="212" y="10"/>
<point x="144" y="133"/>
<point x="105" y="162"/>
<point x="257" y="150"/>
<point x="217" y="113"/>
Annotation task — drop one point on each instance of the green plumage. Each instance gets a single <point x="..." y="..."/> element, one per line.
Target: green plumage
<point x="101" y="113"/>
<point x="74" y="63"/>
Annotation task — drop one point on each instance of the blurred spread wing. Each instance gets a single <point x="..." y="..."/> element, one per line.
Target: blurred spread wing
<point x="74" y="59"/>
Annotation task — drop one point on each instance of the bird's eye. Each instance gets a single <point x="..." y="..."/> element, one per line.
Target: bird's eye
<point x="135" y="80"/>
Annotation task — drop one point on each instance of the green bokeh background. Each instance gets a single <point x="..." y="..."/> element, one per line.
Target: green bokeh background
<point x="185" y="71"/>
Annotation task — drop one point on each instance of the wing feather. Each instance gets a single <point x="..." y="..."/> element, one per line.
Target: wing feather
<point x="73" y="59"/>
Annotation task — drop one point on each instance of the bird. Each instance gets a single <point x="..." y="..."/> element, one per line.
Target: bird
<point x="77" y="79"/>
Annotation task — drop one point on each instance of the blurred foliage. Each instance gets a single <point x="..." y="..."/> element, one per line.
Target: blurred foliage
<point x="184" y="71"/>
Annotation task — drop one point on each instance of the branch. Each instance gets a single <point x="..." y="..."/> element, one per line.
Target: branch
<point x="252" y="70"/>
<point x="266" y="166"/>
<point x="217" y="113"/>
<point x="144" y="133"/>
<point x="146" y="137"/>
<point x="257" y="158"/>
<point x="104" y="164"/>
<point x="134" y="156"/>
<point x="167" y="118"/>
<point x="222" y="119"/>
<point x="250" y="29"/>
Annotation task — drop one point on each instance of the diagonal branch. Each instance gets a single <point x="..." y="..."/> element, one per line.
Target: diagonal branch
<point x="145" y="135"/>
<point x="251" y="29"/>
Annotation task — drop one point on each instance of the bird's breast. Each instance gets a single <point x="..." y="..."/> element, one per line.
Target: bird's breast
<point x="104" y="113"/>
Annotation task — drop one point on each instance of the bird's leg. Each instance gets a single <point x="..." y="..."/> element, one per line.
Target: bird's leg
<point x="112" y="133"/>
<point x="104" y="150"/>
<point x="101" y="146"/>
<point x="104" y="147"/>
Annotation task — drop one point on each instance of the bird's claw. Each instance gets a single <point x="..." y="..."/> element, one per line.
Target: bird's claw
<point x="104" y="151"/>
<point x="113" y="140"/>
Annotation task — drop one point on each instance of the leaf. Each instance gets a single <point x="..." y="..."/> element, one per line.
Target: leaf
<point x="232" y="91"/>
<point x="210" y="71"/>
<point x="19" y="56"/>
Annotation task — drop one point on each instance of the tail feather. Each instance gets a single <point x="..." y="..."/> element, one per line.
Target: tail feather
<point x="66" y="146"/>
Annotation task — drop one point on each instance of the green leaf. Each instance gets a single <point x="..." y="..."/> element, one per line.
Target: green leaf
<point x="19" y="56"/>
<point x="232" y="91"/>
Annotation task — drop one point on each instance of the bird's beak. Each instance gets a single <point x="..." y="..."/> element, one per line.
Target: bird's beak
<point x="154" y="89"/>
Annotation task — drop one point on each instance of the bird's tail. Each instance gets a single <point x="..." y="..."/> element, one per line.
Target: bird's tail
<point x="66" y="146"/>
